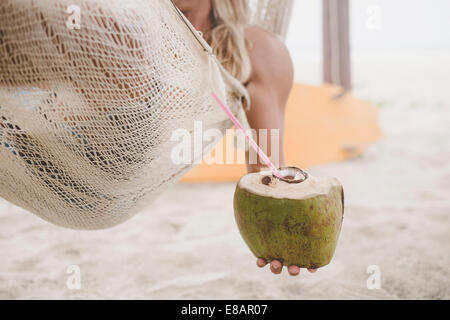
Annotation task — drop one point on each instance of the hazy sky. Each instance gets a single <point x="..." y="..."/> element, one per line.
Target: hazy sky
<point x="376" y="26"/>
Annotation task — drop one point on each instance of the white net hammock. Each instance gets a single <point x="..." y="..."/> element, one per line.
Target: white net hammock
<point x="86" y="115"/>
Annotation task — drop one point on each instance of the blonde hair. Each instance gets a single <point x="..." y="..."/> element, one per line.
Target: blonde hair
<point x="227" y="37"/>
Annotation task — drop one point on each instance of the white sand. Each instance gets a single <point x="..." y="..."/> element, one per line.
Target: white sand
<point x="186" y="245"/>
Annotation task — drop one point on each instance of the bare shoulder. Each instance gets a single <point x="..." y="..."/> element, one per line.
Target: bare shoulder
<point x="269" y="56"/>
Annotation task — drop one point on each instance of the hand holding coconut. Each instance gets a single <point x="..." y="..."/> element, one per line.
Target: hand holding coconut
<point x="293" y="220"/>
<point x="285" y="216"/>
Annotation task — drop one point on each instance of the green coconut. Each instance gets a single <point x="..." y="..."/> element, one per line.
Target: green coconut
<point x="295" y="223"/>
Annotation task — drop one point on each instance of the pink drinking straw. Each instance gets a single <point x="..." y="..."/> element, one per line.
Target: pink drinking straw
<point x="254" y="145"/>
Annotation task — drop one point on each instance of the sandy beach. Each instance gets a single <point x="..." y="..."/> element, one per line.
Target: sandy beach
<point x="186" y="245"/>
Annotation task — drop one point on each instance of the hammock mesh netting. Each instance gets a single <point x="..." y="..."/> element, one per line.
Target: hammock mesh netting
<point x="86" y="115"/>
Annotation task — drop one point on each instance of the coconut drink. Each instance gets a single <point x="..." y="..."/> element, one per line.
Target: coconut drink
<point x="293" y="218"/>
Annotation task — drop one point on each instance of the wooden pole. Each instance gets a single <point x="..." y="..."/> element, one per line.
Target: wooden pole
<point x="336" y="43"/>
